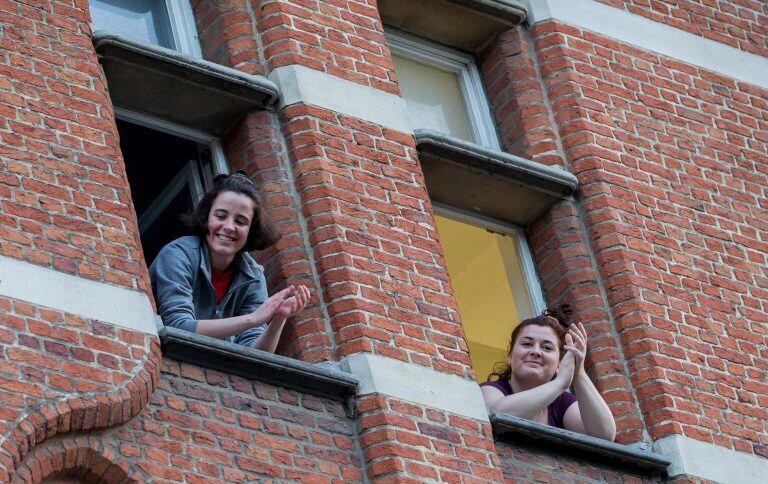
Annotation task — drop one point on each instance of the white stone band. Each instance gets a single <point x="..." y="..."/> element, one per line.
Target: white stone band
<point x="653" y="36"/>
<point x="299" y="84"/>
<point x="75" y="295"/>
<point x="709" y="461"/>
<point x="416" y="384"/>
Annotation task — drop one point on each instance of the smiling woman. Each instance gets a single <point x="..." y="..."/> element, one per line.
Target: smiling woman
<point x="545" y="357"/>
<point x="209" y="284"/>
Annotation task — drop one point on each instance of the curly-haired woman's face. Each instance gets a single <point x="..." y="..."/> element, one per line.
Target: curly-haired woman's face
<point x="229" y="222"/>
<point x="535" y="355"/>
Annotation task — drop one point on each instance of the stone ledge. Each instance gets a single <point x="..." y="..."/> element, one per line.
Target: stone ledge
<point x="321" y="380"/>
<point x="494" y="183"/>
<point x="465" y="24"/>
<point x="173" y="86"/>
<point x="522" y="431"/>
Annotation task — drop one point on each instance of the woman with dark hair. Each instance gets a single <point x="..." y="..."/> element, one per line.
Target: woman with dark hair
<point x="207" y="283"/>
<point x="545" y="357"/>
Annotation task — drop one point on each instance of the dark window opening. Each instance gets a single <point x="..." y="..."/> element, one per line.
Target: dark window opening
<point x="167" y="174"/>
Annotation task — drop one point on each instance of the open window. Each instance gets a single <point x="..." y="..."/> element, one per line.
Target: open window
<point x="167" y="23"/>
<point x="169" y="169"/>
<point x="493" y="278"/>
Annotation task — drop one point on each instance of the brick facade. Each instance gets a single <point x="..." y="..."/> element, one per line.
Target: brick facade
<point x="662" y="252"/>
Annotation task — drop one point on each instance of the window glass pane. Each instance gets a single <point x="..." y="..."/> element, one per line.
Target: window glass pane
<point x="490" y="288"/>
<point x="144" y="20"/>
<point x="433" y="98"/>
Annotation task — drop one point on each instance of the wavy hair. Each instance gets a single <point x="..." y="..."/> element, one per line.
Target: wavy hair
<point x="262" y="233"/>
<point x="558" y="319"/>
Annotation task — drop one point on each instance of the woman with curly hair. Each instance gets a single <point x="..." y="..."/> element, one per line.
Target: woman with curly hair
<point x="545" y="357"/>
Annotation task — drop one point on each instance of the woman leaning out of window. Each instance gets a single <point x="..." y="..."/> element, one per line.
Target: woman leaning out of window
<point x="208" y="283"/>
<point x="546" y="356"/>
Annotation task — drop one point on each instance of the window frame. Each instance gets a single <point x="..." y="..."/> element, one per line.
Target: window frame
<point x="181" y="19"/>
<point x="530" y="275"/>
<point x="186" y="176"/>
<point x="481" y="122"/>
<point x="219" y="162"/>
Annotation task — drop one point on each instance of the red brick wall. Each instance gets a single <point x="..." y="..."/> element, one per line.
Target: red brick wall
<point x="61" y="373"/>
<point x="517" y="98"/>
<point x="64" y="198"/>
<point x="65" y="205"/>
<point x="344" y="39"/>
<point x="403" y="442"/>
<point x="669" y="159"/>
<point x="533" y="464"/>
<point x="740" y="23"/>
<point x="227" y="34"/>
<point x="202" y="425"/>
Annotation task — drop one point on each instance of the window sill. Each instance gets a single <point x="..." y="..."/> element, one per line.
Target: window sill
<point x="321" y="380"/>
<point x="465" y="24"/>
<point x="176" y="87"/>
<point x="600" y="451"/>
<point x="496" y="184"/>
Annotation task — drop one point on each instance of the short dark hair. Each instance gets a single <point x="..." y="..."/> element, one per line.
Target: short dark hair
<point x="557" y="319"/>
<point x="262" y="233"/>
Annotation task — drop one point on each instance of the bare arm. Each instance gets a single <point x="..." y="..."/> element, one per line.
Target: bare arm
<point x="529" y="403"/>
<point x="289" y="307"/>
<point x="590" y="414"/>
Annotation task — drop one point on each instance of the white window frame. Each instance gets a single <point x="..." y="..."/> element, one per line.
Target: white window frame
<point x="434" y="55"/>
<point x="218" y="158"/>
<point x="523" y="249"/>
<point x="182" y="21"/>
<point x="183" y="27"/>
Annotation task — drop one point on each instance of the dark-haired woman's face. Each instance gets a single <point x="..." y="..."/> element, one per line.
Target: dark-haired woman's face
<point x="535" y="355"/>
<point x="228" y="224"/>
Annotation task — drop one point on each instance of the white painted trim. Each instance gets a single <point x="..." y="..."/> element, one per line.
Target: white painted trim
<point x="299" y="84"/>
<point x="470" y="82"/>
<point x="164" y="126"/>
<point x="653" y="36"/>
<point x="219" y="158"/>
<point x="182" y="21"/>
<point x="709" y="461"/>
<point x="416" y="384"/>
<point x="187" y="178"/>
<point x="524" y="250"/>
<point x="75" y="295"/>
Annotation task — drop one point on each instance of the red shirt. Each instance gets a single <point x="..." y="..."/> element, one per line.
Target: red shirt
<point x="221" y="282"/>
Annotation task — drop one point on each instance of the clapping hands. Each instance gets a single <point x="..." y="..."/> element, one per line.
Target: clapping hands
<point x="294" y="303"/>
<point x="572" y="364"/>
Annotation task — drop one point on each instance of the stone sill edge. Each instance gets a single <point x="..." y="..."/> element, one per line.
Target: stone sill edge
<point x="551" y="179"/>
<point x="103" y="38"/>
<point x="512" y="11"/>
<point x="315" y="379"/>
<point x="601" y="450"/>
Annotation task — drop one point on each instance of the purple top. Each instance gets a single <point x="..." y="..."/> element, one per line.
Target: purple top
<point x="555" y="410"/>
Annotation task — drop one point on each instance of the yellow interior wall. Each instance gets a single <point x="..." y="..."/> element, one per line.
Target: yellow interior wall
<point x="489" y="286"/>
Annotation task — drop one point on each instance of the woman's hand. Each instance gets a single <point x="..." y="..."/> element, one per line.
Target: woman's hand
<point x="566" y="370"/>
<point x="268" y="308"/>
<point x="576" y="344"/>
<point x="293" y="305"/>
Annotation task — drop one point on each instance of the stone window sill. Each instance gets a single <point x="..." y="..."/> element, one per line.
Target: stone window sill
<point x="176" y="87"/>
<point x="322" y="380"/>
<point x="465" y="24"/>
<point x="498" y="185"/>
<point x="524" y="432"/>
